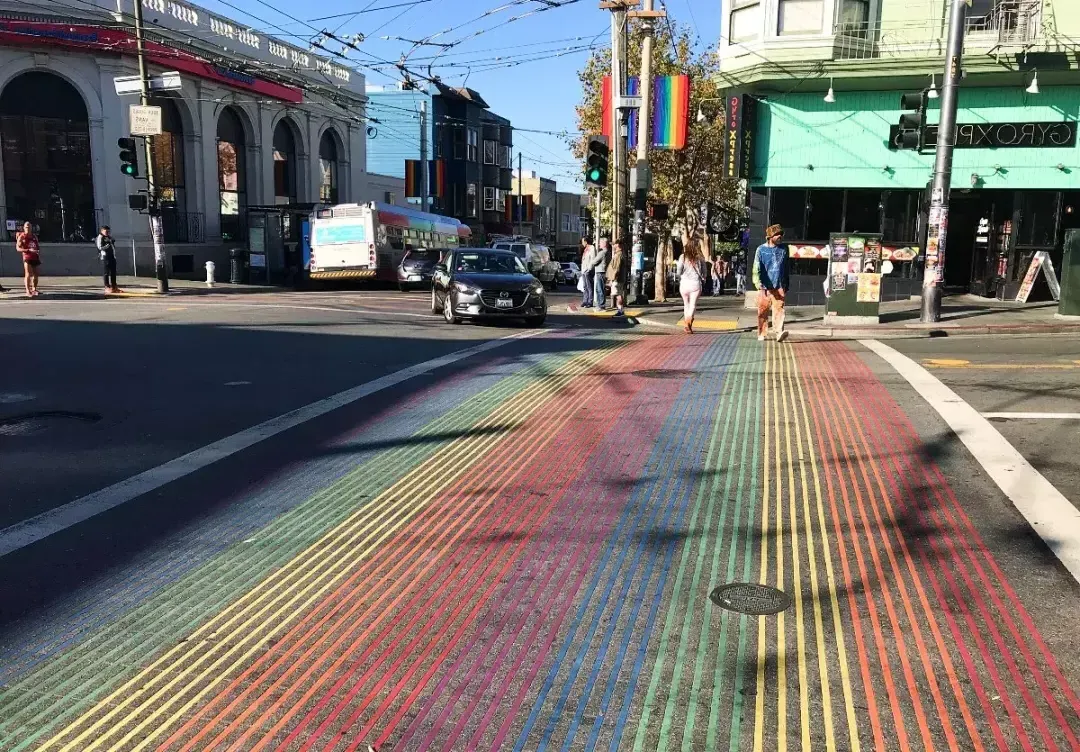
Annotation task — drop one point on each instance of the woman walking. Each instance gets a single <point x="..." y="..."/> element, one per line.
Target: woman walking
<point x="691" y="279"/>
<point x="26" y="243"/>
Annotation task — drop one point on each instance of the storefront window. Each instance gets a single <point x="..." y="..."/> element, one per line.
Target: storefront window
<point x="45" y="132"/>
<point x="1038" y="219"/>
<point x="901" y="216"/>
<point x="787" y="208"/>
<point x="863" y="211"/>
<point x="824" y="213"/>
<point x="232" y="175"/>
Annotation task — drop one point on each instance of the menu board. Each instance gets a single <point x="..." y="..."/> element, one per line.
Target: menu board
<point x="1040" y="262"/>
<point x="855" y="276"/>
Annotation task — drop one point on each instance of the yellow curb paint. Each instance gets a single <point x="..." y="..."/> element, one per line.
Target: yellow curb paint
<point x="964" y="364"/>
<point x="947" y="363"/>
<point x="713" y="326"/>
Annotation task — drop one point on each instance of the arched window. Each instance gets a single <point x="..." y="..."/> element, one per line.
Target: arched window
<point x="45" y="132"/>
<point x="284" y="164"/>
<point x="232" y="175"/>
<point x="328" y="169"/>
<point x="176" y="223"/>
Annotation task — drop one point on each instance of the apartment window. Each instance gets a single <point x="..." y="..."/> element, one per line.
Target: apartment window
<point x="489" y="198"/>
<point x="566" y="223"/>
<point x="500" y="199"/>
<point x="470" y="200"/>
<point x="438" y="139"/>
<point x="800" y="17"/>
<point x="745" y="22"/>
<point x="504" y="156"/>
<point x="854" y="15"/>
<point x="490" y="150"/>
<point x="474" y="145"/>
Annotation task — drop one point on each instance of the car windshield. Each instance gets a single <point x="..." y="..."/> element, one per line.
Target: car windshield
<point x="489" y="263"/>
<point x="424" y="254"/>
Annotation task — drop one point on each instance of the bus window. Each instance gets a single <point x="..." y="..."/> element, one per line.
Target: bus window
<point x="519" y="249"/>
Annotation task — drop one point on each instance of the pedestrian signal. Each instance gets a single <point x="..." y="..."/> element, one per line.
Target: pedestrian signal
<point x="129" y="157"/>
<point x="596" y="163"/>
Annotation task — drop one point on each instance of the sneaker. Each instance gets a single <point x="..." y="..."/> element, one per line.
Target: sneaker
<point x="619" y="314"/>
<point x="761" y="338"/>
<point x="781" y="336"/>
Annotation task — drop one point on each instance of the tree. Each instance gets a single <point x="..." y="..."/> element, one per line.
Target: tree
<point x="684" y="179"/>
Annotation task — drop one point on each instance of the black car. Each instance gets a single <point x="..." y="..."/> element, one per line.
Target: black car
<point x="484" y="283"/>
<point x="417" y="267"/>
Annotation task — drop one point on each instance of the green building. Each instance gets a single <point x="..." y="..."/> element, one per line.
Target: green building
<point x="813" y="91"/>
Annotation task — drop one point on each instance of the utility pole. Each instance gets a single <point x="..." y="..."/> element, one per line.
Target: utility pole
<point x="424" y="188"/>
<point x="520" y="206"/>
<point x="641" y="190"/>
<point x="618" y="33"/>
<point x="934" y="272"/>
<point x="160" y="270"/>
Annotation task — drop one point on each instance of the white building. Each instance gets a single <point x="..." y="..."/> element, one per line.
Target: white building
<point x="257" y="122"/>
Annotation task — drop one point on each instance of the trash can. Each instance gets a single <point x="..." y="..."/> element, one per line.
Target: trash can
<point x="238" y="266"/>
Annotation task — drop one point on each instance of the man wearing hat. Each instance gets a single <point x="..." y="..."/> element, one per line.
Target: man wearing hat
<point x="770" y="275"/>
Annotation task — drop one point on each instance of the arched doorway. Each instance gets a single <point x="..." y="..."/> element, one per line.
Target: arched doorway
<point x="328" y="169"/>
<point x="169" y="174"/>
<point x="284" y="164"/>
<point x="48" y="180"/>
<point x="232" y="173"/>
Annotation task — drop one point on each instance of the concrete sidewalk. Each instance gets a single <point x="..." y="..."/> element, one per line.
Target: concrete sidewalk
<point x="961" y="315"/>
<point x="91" y="287"/>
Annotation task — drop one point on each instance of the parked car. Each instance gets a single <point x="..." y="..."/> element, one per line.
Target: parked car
<point x="487" y="283"/>
<point x="417" y="267"/>
<point x="571" y="271"/>
<point x="537" y="258"/>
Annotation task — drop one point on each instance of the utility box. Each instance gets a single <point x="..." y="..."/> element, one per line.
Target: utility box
<point x="854" y="279"/>
<point x="1069" y="304"/>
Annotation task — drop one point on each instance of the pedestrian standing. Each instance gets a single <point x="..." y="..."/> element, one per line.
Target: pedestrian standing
<point x="106" y="246"/>
<point x="719" y="274"/>
<point x="600" y="274"/>
<point x="588" y="258"/>
<point x="740" y="274"/>
<point x="771" y="279"/>
<point x="615" y="275"/>
<point x="689" y="270"/>
<point x="26" y="243"/>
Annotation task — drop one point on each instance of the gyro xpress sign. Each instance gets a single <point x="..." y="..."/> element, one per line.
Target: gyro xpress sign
<point x="1059" y="135"/>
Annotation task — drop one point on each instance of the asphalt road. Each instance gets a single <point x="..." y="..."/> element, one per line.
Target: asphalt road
<point x="517" y="549"/>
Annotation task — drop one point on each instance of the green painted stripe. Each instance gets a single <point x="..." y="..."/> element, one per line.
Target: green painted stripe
<point x="754" y="393"/>
<point x="71" y="682"/>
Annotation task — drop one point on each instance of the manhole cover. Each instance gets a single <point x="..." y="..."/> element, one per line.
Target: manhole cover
<point x="748" y="598"/>
<point x="34" y="423"/>
<point x="659" y="373"/>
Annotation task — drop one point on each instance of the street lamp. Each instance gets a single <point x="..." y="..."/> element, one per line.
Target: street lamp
<point x="701" y="116"/>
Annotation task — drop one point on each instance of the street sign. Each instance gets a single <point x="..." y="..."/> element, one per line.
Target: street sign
<point x="145" y="120"/>
<point x="629" y="103"/>
<point x="167" y="81"/>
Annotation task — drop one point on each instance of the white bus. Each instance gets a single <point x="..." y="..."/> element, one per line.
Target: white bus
<point x="368" y="241"/>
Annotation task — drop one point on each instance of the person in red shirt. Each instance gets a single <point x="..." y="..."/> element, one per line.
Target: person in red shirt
<point x="26" y="243"/>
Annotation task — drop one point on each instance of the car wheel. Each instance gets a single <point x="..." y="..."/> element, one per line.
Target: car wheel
<point x="402" y="287"/>
<point x="536" y="321"/>
<point x="448" y="309"/>
<point x="435" y="302"/>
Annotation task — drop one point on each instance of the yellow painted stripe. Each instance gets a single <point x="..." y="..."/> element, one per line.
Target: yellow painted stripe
<point x="342" y="275"/>
<point x="781" y="574"/>
<point x="322" y="563"/>
<point x="834" y="600"/>
<point x="766" y="492"/>
<point x="610" y="314"/>
<point x="966" y="365"/>
<point x="712" y="325"/>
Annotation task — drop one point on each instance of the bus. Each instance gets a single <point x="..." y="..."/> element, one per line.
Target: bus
<point x="368" y="241"/>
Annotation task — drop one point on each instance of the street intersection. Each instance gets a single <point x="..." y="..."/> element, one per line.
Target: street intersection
<point x="319" y="524"/>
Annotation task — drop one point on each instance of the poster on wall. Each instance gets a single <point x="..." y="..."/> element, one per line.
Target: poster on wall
<point x="869" y="290"/>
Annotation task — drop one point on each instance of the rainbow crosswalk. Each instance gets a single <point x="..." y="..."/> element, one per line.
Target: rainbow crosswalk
<point x="519" y="557"/>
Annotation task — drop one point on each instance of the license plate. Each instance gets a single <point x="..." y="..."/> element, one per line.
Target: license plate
<point x="415" y="278"/>
<point x="504" y="303"/>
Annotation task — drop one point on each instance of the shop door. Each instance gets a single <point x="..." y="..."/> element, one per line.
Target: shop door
<point x="965" y="211"/>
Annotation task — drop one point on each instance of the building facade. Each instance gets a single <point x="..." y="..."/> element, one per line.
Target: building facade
<point x="540" y="215"/>
<point x="257" y="122"/>
<point x="473" y="145"/>
<point x="812" y="103"/>
<point x="570" y="216"/>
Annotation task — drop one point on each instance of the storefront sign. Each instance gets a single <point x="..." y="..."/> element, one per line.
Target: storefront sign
<point x="1040" y="262"/>
<point x="739" y="123"/>
<point x="1054" y="135"/>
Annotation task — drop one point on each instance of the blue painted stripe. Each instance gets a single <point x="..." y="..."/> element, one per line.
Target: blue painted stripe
<point x="659" y="463"/>
<point x="39" y="637"/>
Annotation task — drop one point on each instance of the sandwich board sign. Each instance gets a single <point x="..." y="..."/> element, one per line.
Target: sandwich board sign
<point x="1040" y="262"/>
<point x="145" y="120"/>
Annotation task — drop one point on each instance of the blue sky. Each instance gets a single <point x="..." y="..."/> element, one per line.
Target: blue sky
<point x="538" y="94"/>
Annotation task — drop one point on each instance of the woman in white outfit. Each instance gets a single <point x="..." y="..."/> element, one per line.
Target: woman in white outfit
<point x="691" y="279"/>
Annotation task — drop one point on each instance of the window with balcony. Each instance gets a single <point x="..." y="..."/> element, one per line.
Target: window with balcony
<point x="490" y="151"/>
<point x="853" y="16"/>
<point x="745" y="21"/>
<point x="489" y="198"/>
<point x="800" y="17"/>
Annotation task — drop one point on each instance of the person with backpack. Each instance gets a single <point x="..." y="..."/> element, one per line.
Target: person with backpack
<point x="691" y="279"/>
<point x="106" y="246"/>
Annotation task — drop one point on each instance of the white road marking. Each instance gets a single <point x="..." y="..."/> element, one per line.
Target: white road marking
<point x="1033" y="416"/>
<point x="237" y="383"/>
<point x="1051" y="515"/>
<point x="11" y="398"/>
<point x="53" y="521"/>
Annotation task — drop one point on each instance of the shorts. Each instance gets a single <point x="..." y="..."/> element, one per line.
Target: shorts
<point x="617" y="289"/>
<point x="33" y="262"/>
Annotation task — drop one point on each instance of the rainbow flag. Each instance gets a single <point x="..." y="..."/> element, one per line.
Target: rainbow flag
<point x="437" y="178"/>
<point x="413" y="178"/>
<point x="670" y="110"/>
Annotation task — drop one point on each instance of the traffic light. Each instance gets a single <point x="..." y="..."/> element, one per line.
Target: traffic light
<point x="129" y="157"/>
<point x="596" y="163"/>
<point x="913" y="120"/>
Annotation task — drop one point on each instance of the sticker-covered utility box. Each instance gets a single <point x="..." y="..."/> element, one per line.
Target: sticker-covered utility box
<point x="854" y="280"/>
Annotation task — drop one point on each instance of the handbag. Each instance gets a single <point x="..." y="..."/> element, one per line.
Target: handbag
<point x="581" y="283"/>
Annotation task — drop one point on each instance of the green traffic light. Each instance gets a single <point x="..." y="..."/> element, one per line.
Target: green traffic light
<point x="594" y="175"/>
<point x="128" y="169"/>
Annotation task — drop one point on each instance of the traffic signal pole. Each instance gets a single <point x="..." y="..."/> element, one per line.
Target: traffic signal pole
<point x="160" y="270"/>
<point x="618" y="30"/>
<point x="934" y="273"/>
<point x="641" y="190"/>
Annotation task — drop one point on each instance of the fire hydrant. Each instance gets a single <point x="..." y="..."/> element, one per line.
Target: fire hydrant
<point x="209" y="273"/>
